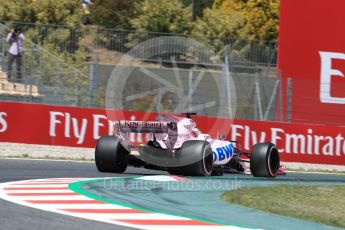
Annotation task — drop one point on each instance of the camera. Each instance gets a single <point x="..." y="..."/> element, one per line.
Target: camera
<point x="16" y="31"/>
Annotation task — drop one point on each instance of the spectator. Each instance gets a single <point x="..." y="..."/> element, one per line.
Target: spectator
<point x="86" y="6"/>
<point x="16" y="40"/>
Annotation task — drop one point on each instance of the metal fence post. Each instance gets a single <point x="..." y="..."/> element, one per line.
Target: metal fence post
<point x="255" y="106"/>
<point x="258" y="95"/>
<point x="280" y="96"/>
<point x="227" y="82"/>
<point x="288" y="99"/>
<point x="190" y="83"/>
<point x="78" y="91"/>
<point x="91" y="85"/>
<point x="2" y="46"/>
<point x="32" y="54"/>
<point x="274" y="95"/>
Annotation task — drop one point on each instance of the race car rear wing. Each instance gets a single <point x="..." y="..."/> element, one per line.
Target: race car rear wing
<point x="162" y="131"/>
<point x="145" y="126"/>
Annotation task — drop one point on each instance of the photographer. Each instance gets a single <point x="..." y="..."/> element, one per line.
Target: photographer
<point x="16" y="40"/>
<point x="86" y="6"/>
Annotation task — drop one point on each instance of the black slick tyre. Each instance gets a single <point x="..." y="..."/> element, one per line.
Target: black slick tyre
<point x="264" y="160"/>
<point x="110" y="155"/>
<point x="202" y="153"/>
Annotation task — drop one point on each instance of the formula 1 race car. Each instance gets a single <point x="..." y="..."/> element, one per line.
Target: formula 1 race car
<point x="178" y="147"/>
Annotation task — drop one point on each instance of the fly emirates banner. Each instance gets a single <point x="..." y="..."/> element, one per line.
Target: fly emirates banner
<point x="82" y="127"/>
<point x="311" y="53"/>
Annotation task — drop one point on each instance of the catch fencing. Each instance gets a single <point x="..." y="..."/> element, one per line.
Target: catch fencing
<point x="74" y="67"/>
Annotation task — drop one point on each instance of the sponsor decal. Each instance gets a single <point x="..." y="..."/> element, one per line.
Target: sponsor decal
<point x="80" y="127"/>
<point x="99" y="122"/>
<point x="141" y="124"/>
<point x="71" y="124"/>
<point x="315" y="66"/>
<point x="3" y="122"/>
<point x="223" y="153"/>
<point x="292" y="143"/>
<point x="327" y="72"/>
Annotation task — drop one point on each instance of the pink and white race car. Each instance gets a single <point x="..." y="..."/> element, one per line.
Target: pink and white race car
<point x="178" y="147"/>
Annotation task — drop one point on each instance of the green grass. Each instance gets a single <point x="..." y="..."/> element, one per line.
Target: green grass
<point x="322" y="204"/>
<point x="315" y="170"/>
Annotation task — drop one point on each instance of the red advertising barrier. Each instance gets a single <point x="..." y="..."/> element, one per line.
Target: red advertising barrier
<point x="312" y="53"/>
<point x="81" y="127"/>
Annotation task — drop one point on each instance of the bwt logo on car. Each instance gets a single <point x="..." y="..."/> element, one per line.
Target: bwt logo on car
<point x="223" y="152"/>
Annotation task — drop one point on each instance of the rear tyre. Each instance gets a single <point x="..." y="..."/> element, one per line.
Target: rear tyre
<point x="110" y="155"/>
<point x="264" y="160"/>
<point x="202" y="152"/>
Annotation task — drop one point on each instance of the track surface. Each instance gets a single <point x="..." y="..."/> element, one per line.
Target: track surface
<point x="199" y="197"/>
<point x="14" y="216"/>
<point x="17" y="217"/>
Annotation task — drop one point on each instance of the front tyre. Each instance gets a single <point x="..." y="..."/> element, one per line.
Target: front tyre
<point x="264" y="160"/>
<point x="110" y="155"/>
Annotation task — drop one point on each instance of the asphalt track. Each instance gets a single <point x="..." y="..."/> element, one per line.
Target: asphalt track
<point x="200" y="198"/>
<point x="13" y="216"/>
<point x="17" y="217"/>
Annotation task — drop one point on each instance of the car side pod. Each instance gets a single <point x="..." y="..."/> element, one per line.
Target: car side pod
<point x="264" y="160"/>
